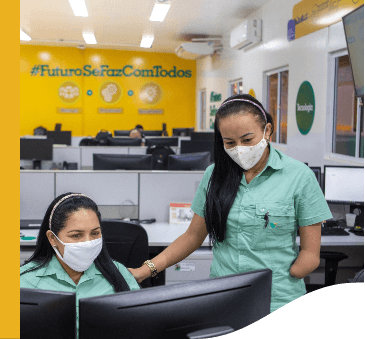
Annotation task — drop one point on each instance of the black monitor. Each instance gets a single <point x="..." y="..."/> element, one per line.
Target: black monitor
<point x="182" y="132"/>
<point x="60" y="137"/>
<point x="47" y="314"/>
<point x="36" y="150"/>
<point x="162" y="141"/>
<point x="203" y="136"/>
<point x="189" y="161"/>
<point x="122" y="162"/>
<point x="174" y="311"/>
<point x="353" y="24"/>
<point x="124" y="141"/>
<point x="152" y="133"/>
<point x="121" y="133"/>
<point x="193" y="146"/>
<point x="57" y="127"/>
<point x="317" y="173"/>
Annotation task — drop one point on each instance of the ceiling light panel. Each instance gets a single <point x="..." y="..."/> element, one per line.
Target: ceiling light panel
<point x="89" y="38"/>
<point x="147" y="41"/>
<point x="79" y="7"/>
<point x="24" y="36"/>
<point x="159" y="11"/>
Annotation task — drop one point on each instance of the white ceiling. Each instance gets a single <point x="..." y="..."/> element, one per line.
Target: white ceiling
<point x="120" y="24"/>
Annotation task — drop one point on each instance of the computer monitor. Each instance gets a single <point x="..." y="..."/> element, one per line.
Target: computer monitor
<point x="124" y="141"/>
<point x="189" y="161"/>
<point x="182" y="132"/>
<point x="36" y="150"/>
<point x="121" y="133"/>
<point x="47" y="314"/>
<point x="193" y="146"/>
<point x="122" y="162"/>
<point x="173" y="311"/>
<point x="152" y="133"/>
<point x="353" y="24"/>
<point x="344" y="184"/>
<point x="317" y="173"/>
<point x="162" y="141"/>
<point x="60" y="137"/>
<point x="203" y="136"/>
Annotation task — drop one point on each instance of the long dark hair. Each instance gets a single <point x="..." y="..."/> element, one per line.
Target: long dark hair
<point x="226" y="177"/>
<point x="44" y="252"/>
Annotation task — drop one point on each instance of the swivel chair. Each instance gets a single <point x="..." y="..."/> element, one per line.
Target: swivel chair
<point x="331" y="263"/>
<point x="127" y="243"/>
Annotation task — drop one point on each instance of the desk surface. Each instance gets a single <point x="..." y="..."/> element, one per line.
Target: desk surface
<point x="163" y="234"/>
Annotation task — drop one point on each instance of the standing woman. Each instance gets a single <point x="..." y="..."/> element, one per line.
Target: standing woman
<point x="250" y="202"/>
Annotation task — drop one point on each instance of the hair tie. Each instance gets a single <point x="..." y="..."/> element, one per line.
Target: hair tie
<point x="251" y="102"/>
<point x="61" y="200"/>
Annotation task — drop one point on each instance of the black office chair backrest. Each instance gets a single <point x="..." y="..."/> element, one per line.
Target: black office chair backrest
<point x="126" y="242"/>
<point x="160" y="156"/>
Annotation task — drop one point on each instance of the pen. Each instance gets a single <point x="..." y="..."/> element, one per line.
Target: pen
<point x="266" y="217"/>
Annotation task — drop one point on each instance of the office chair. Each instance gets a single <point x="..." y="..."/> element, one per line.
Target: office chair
<point x="127" y="243"/>
<point x="160" y="156"/>
<point x="330" y="267"/>
<point x="359" y="277"/>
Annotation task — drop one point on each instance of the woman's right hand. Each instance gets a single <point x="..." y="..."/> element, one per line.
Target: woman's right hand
<point x="140" y="273"/>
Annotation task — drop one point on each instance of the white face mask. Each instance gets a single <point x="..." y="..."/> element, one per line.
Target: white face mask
<point x="247" y="156"/>
<point x="80" y="255"/>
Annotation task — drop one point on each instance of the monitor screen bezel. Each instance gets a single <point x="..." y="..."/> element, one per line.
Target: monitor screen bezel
<point x="337" y="202"/>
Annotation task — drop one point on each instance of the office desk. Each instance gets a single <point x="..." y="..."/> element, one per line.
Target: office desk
<point x="163" y="234"/>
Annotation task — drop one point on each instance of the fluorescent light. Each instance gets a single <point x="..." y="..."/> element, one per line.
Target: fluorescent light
<point x="147" y="41"/>
<point x="159" y="12"/>
<point x="79" y="7"/>
<point x="89" y="38"/>
<point x="24" y="36"/>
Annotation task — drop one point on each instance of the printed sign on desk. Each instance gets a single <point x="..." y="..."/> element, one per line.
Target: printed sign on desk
<point x="180" y="213"/>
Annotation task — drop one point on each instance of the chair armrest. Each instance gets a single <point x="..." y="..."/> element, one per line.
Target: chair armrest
<point x="210" y="332"/>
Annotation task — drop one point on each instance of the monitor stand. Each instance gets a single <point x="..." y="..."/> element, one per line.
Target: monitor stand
<point x="37" y="164"/>
<point x="360" y="216"/>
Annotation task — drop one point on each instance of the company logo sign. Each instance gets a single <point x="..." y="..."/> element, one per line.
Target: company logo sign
<point x="305" y="107"/>
<point x="110" y="92"/>
<point x="150" y="93"/>
<point x="69" y="92"/>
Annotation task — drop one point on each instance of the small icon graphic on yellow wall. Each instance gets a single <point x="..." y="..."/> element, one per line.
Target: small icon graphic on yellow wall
<point x="110" y="92"/>
<point x="150" y="93"/>
<point x="69" y="92"/>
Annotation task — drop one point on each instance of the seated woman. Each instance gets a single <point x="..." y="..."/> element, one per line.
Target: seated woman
<point x="71" y="256"/>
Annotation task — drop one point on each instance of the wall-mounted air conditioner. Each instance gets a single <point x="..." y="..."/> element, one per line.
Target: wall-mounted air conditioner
<point x="246" y="34"/>
<point x="193" y="50"/>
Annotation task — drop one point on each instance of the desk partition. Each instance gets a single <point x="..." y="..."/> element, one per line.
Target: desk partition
<point x="37" y="190"/>
<point x="68" y="153"/>
<point x="159" y="189"/>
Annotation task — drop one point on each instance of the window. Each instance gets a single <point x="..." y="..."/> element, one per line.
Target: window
<point x="277" y="103"/>
<point x="236" y="87"/>
<point x="348" y="127"/>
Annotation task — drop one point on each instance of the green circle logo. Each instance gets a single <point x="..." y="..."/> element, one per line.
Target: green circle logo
<point x="305" y="107"/>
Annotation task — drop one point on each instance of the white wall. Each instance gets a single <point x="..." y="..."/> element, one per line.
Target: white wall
<point x="308" y="59"/>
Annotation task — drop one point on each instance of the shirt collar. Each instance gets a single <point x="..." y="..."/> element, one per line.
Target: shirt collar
<point x="274" y="160"/>
<point x="54" y="267"/>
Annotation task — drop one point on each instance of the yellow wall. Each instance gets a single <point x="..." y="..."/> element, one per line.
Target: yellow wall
<point x="40" y="95"/>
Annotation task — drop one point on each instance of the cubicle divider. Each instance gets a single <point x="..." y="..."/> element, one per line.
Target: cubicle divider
<point x="83" y="155"/>
<point x="119" y="194"/>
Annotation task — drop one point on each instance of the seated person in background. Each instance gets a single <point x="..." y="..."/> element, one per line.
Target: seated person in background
<point x="70" y="254"/>
<point x="139" y="127"/>
<point x="136" y="133"/>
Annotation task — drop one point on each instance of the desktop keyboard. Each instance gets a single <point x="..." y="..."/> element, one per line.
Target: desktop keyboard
<point x="333" y="231"/>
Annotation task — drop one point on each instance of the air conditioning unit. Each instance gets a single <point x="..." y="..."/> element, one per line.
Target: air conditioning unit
<point x="193" y="50"/>
<point x="246" y="34"/>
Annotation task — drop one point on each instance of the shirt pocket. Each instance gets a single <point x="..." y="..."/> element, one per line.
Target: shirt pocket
<point x="280" y="228"/>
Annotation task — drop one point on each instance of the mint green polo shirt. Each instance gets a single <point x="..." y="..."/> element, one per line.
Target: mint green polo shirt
<point x="289" y="191"/>
<point x="54" y="278"/>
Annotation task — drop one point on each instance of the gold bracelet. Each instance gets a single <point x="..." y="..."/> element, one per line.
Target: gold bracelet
<point x="152" y="267"/>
